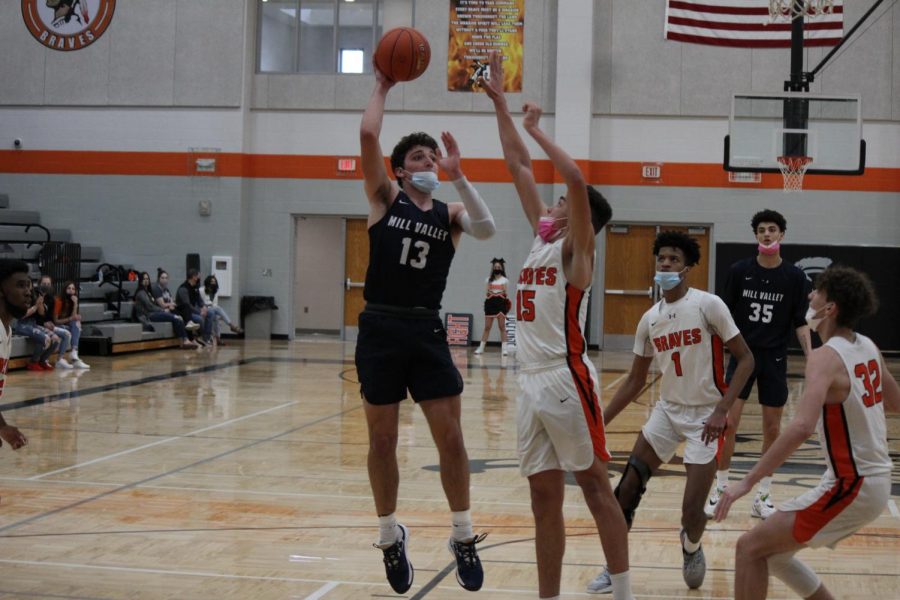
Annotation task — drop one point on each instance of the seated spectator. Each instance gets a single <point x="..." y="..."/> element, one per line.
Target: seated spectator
<point x="66" y="315"/>
<point x="160" y="291"/>
<point x="208" y="293"/>
<point x="190" y="306"/>
<point x="45" y="341"/>
<point x="44" y="317"/>
<point x="145" y="305"/>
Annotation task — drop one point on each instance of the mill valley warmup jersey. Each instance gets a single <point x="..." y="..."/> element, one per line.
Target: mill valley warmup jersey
<point x="410" y="251"/>
<point x="687" y="338"/>
<point x="550" y="313"/>
<point x="767" y="304"/>
<point x="853" y="434"/>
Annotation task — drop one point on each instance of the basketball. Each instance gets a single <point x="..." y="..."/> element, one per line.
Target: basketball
<point x="402" y="54"/>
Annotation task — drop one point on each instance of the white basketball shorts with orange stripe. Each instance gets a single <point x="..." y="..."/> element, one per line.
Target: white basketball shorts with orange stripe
<point x="559" y="418"/>
<point x="836" y="509"/>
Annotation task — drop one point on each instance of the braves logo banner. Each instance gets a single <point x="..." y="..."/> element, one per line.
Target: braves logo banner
<point x="67" y="25"/>
<point x="476" y="28"/>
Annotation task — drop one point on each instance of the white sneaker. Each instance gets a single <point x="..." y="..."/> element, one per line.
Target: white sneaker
<point x="479" y="350"/>
<point x="504" y="350"/>
<point x="710" y="508"/>
<point x="80" y="364"/>
<point x="762" y="507"/>
<point x="602" y="583"/>
<point x="63" y="364"/>
<point x="192" y="326"/>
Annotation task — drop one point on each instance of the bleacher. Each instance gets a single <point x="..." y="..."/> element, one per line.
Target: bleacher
<point x="106" y="324"/>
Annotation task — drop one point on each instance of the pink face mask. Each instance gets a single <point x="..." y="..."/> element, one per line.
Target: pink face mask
<point x="770" y="250"/>
<point x="547" y="228"/>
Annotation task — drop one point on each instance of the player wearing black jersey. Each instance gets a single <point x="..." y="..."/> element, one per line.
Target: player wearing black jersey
<point x="768" y="299"/>
<point x="402" y="344"/>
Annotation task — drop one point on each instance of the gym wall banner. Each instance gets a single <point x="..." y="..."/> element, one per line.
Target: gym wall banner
<point x="67" y="25"/>
<point x="881" y="264"/>
<point x="459" y="328"/>
<point x="476" y="28"/>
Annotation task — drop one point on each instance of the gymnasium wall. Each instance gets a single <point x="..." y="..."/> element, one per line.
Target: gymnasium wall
<point x="171" y="75"/>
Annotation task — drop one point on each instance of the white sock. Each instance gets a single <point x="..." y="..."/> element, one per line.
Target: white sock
<point x="388" y="532"/>
<point x="74" y="354"/>
<point x="621" y="584"/>
<point x="722" y="479"/>
<point x="461" y="529"/>
<point x="764" y="484"/>
<point x="689" y="546"/>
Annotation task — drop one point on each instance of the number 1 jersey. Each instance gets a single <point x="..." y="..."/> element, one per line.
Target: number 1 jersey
<point x="687" y="338"/>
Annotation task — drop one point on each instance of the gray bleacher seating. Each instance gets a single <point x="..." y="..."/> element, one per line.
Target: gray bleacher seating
<point x="119" y="332"/>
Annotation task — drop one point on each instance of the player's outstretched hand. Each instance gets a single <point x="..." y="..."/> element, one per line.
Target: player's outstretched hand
<point x="728" y="497"/>
<point x="493" y="86"/>
<point x="381" y="79"/>
<point x="533" y="114"/>
<point x="12" y="436"/>
<point x="449" y="161"/>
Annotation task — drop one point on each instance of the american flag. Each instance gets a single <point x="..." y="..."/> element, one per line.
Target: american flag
<point x="746" y="24"/>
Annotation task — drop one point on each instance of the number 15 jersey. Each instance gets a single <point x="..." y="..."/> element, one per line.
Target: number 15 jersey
<point x="687" y="338"/>
<point x="550" y="313"/>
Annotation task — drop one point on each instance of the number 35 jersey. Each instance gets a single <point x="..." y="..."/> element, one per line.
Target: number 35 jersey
<point x="410" y="251"/>
<point x="686" y="337"/>
<point x="550" y="313"/>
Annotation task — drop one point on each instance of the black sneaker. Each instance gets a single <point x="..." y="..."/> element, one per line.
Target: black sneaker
<point x="469" y="573"/>
<point x="397" y="567"/>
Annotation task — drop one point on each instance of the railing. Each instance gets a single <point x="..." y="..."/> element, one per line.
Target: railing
<point x="105" y="269"/>
<point x="27" y="226"/>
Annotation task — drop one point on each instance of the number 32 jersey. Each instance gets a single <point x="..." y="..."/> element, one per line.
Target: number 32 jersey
<point x="410" y="251"/>
<point x="686" y="337"/>
<point x="550" y="313"/>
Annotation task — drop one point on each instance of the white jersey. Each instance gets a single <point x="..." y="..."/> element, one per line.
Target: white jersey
<point x="853" y="434"/>
<point x="687" y="338"/>
<point x="5" y="351"/>
<point x="550" y="313"/>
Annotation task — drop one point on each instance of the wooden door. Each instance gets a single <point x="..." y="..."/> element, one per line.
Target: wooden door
<point x="630" y="267"/>
<point x="356" y="261"/>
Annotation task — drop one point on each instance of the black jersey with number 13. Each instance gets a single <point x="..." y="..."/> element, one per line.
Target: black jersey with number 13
<point x="410" y="251"/>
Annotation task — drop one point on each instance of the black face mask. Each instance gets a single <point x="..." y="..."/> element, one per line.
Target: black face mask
<point x="498" y="271"/>
<point x="212" y="290"/>
<point x="45" y="289"/>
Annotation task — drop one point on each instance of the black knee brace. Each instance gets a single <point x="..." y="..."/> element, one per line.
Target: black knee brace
<point x="629" y="505"/>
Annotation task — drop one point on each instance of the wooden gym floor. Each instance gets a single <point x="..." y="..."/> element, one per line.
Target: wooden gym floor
<point x="241" y="473"/>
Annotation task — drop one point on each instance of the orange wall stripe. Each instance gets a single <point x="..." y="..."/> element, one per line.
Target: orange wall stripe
<point x="488" y="170"/>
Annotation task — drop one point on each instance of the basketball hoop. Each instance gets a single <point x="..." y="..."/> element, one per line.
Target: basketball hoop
<point x="791" y="9"/>
<point x="793" y="168"/>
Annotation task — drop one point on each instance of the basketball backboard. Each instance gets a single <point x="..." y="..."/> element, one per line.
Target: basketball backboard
<point x="764" y="127"/>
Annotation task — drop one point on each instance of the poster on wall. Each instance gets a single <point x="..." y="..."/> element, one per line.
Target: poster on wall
<point x="67" y="25"/>
<point x="459" y="328"/>
<point x="881" y="264"/>
<point x="476" y="28"/>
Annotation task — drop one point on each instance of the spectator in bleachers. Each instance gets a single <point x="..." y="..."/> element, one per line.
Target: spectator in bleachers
<point x="15" y="297"/>
<point x="45" y="341"/>
<point x="44" y="317"/>
<point x="189" y="305"/>
<point x="66" y="315"/>
<point x="163" y="296"/>
<point x="145" y="305"/>
<point x="209" y="295"/>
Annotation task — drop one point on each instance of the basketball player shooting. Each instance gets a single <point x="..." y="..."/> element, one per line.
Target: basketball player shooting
<point x="402" y="344"/>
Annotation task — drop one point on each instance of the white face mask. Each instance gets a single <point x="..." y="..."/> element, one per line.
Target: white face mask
<point x="812" y="320"/>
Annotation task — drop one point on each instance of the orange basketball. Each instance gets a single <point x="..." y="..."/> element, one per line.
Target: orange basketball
<point x="402" y="54"/>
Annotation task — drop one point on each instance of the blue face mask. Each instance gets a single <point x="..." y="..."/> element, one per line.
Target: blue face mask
<point x="425" y="181"/>
<point x="667" y="280"/>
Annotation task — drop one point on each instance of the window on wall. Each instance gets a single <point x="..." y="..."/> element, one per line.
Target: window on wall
<point x="318" y="36"/>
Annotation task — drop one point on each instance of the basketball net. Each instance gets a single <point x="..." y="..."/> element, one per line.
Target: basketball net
<point x="793" y="168"/>
<point x="791" y="9"/>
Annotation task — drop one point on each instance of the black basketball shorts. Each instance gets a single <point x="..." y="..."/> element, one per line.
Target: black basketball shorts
<point x="396" y="353"/>
<point x="770" y="375"/>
